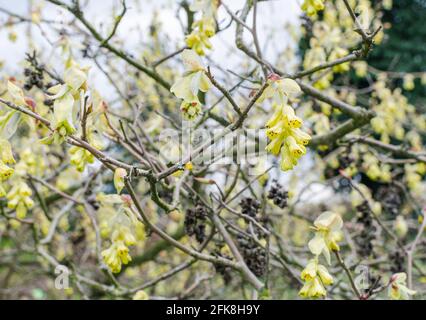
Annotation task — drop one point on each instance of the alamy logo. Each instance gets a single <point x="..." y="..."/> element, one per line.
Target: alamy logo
<point x="62" y="280"/>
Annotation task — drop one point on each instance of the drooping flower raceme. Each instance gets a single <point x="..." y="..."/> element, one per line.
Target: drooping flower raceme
<point x="80" y="157"/>
<point x="188" y="86"/>
<point x="328" y="232"/>
<point x="283" y="128"/>
<point x="316" y="277"/>
<point x="204" y="28"/>
<point x="6" y="157"/>
<point x="19" y="198"/>
<point x="398" y="289"/>
<point x="6" y="154"/>
<point x="5" y="171"/>
<point x="66" y="101"/>
<point x="119" y="223"/>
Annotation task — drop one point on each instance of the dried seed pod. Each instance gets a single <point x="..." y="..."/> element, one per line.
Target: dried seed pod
<point x="195" y="222"/>
<point x="278" y="194"/>
<point x="254" y="255"/>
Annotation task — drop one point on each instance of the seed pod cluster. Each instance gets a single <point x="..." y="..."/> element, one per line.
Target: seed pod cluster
<point x="249" y="207"/>
<point x="254" y="255"/>
<point x="195" y="219"/>
<point x="278" y="194"/>
<point x="34" y="78"/>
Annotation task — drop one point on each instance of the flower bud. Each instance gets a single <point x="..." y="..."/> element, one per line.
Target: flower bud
<point x="119" y="175"/>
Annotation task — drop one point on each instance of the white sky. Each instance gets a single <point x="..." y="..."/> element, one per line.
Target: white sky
<point x="273" y="15"/>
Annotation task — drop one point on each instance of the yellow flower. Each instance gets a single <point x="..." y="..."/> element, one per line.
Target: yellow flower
<point x="408" y="82"/>
<point x="190" y="110"/>
<point x="191" y="61"/>
<point x="295" y="149"/>
<point x="123" y="234"/>
<point x="400" y="226"/>
<point x="288" y="161"/>
<point x="63" y="115"/>
<point x="16" y="94"/>
<point x="119" y="175"/>
<point x="123" y="252"/>
<point x="118" y="221"/>
<point x="116" y="255"/>
<point x="75" y="77"/>
<point x="5" y="171"/>
<point x="336" y="54"/>
<point x="398" y="289"/>
<point x="328" y="232"/>
<point x="204" y="28"/>
<point x="286" y="136"/>
<point x="290" y="117"/>
<point x="300" y="136"/>
<point x="112" y="259"/>
<point x="64" y="96"/>
<point x="311" y="7"/>
<point x="141" y="295"/>
<point x="80" y="157"/>
<point x="283" y="128"/>
<point x="313" y="289"/>
<point x="310" y="271"/>
<point x="193" y="80"/>
<point x="361" y="69"/>
<point x="19" y="198"/>
<point x="6" y="154"/>
<point x="279" y="90"/>
<point x="189" y="166"/>
<point x="314" y="269"/>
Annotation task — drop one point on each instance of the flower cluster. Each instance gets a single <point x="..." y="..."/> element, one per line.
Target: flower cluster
<point x="374" y="170"/>
<point x="393" y="113"/>
<point x="80" y="157"/>
<point x="204" y="28"/>
<point x="188" y="86"/>
<point x="398" y="289"/>
<point x="332" y="36"/>
<point x="119" y="175"/>
<point x="414" y="174"/>
<point x="19" y="199"/>
<point x="327" y="233"/>
<point x="8" y="125"/>
<point x="311" y="7"/>
<point x="66" y="100"/>
<point x="316" y="276"/>
<point x="283" y="129"/>
<point x="120" y="224"/>
<point x="6" y="157"/>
